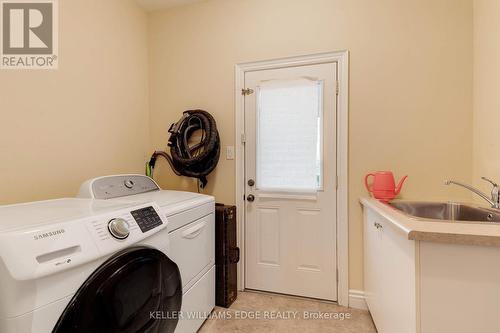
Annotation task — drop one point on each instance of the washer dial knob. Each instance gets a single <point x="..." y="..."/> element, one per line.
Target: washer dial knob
<point x="119" y="228"/>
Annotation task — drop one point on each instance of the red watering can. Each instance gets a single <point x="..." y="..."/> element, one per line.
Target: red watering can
<point x="383" y="186"/>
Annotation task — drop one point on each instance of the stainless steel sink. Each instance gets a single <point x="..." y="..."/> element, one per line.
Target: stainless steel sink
<point x="447" y="211"/>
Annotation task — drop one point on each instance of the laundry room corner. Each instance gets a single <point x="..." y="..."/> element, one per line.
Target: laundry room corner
<point x="87" y="118"/>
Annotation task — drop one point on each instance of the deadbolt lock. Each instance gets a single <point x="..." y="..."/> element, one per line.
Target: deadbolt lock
<point x="251" y="182"/>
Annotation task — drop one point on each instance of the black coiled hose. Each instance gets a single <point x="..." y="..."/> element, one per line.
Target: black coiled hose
<point x="196" y="160"/>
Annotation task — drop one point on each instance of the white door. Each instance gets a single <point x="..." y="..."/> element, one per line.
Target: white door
<point x="290" y="171"/>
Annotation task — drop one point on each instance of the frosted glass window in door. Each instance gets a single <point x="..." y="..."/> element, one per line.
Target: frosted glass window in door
<point x="289" y="135"/>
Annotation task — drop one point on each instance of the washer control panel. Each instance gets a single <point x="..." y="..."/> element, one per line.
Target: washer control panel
<point x="66" y="243"/>
<point x="147" y="218"/>
<point x="126" y="227"/>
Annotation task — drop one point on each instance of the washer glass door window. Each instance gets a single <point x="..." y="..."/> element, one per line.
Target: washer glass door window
<point x="123" y="293"/>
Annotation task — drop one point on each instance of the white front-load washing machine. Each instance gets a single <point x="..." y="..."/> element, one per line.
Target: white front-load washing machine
<point x="81" y="265"/>
<point x="191" y="230"/>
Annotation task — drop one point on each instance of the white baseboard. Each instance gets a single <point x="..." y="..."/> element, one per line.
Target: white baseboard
<point x="357" y="299"/>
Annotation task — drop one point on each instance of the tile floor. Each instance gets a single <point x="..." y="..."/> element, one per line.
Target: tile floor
<point x="267" y="305"/>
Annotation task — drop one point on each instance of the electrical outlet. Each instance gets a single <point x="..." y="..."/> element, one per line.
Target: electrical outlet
<point x="230" y="153"/>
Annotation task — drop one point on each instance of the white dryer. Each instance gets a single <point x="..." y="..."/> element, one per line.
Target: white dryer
<point x="191" y="230"/>
<point x="81" y="265"/>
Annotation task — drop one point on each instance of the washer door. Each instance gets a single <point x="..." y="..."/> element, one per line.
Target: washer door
<point x="138" y="290"/>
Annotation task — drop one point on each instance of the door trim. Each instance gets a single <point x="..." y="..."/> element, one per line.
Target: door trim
<point x="342" y="60"/>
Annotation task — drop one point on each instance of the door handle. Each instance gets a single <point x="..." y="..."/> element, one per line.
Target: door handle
<point x="251" y="198"/>
<point x="194" y="231"/>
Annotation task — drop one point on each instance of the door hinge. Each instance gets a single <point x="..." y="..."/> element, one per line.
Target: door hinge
<point x="246" y="91"/>
<point x="243" y="138"/>
<point x="337" y="87"/>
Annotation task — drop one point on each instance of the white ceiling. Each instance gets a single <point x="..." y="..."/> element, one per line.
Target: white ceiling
<point x="151" y="5"/>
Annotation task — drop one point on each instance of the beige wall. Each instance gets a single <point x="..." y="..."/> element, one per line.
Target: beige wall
<point x="486" y="91"/>
<point x="410" y="83"/>
<point x="88" y="118"/>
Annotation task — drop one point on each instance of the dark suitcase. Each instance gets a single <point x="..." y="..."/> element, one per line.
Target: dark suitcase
<point x="227" y="255"/>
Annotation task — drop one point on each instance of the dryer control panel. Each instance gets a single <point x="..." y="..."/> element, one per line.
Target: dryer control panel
<point x="111" y="187"/>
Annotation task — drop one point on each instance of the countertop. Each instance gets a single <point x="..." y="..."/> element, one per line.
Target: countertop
<point x="471" y="233"/>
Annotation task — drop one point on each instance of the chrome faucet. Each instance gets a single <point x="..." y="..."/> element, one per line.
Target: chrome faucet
<point x="495" y="192"/>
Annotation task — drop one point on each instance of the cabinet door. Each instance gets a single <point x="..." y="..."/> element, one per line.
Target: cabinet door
<point x="372" y="274"/>
<point x="390" y="276"/>
<point x="398" y="284"/>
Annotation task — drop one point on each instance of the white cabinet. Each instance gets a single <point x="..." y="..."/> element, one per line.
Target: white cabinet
<point x="389" y="275"/>
<point x="459" y="288"/>
<point x="428" y="287"/>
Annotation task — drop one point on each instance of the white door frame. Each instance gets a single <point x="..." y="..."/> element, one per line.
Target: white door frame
<point x="342" y="59"/>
